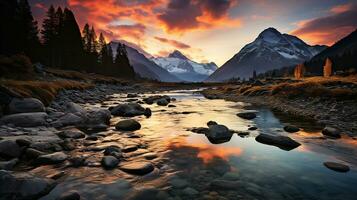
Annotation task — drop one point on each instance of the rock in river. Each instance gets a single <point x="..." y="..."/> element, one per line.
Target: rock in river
<point x="282" y="142"/>
<point x="71" y="195"/>
<point x="291" y="129"/>
<point x="128" y="125"/>
<point x="75" y="134"/>
<point x="109" y="162"/>
<point x="217" y="134"/>
<point x="162" y="102"/>
<point x="53" y="158"/>
<point x="331" y="132"/>
<point x="25" y="105"/>
<point x="247" y="115"/>
<point x="138" y="168"/>
<point x="8" y="165"/>
<point x="337" y="166"/>
<point x="25" y="119"/>
<point x="130" y="110"/>
<point x="23" y="186"/>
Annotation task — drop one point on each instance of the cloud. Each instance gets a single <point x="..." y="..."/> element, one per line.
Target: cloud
<point x="173" y="43"/>
<point x="185" y="15"/>
<point x="135" y="31"/>
<point x="329" y="29"/>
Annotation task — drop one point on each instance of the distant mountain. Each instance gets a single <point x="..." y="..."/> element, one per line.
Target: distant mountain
<point x="343" y="55"/>
<point x="144" y="66"/>
<point x="270" y="50"/>
<point x="184" y="68"/>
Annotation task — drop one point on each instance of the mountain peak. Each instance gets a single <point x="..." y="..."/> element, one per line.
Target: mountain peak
<point x="270" y="35"/>
<point x="177" y="54"/>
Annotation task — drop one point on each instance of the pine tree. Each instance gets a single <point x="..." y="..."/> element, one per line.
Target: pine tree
<point x="49" y="35"/>
<point x="8" y="33"/>
<point x="122" y="65"/>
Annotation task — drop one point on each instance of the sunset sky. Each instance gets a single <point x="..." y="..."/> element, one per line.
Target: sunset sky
<point x="208" y="30"/>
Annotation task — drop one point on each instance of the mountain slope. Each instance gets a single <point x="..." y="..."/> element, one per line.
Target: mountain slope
<point x="270" y="50"/>
<point x="144" y="66"/>
<point x="185" y="69"/>
<point x="343" y="55"/>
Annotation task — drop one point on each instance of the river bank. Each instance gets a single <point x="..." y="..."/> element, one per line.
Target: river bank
<point x="313" y="102"/>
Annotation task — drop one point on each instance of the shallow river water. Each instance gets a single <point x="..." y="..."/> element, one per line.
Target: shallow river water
<point x="188" y="166"/>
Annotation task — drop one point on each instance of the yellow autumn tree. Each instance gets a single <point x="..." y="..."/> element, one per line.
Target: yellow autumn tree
<point x="328" y="68"/>
<point x="299" y="71"/>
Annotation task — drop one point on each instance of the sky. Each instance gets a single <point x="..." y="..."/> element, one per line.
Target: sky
<point x="208" y="30"/>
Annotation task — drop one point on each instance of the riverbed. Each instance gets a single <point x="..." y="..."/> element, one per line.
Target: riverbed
<point x="189" y="166"/>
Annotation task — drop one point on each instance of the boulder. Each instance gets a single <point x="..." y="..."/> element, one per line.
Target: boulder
<point x="132" y="95"/>
<point x="77" y="161"/>
<point x="128" y="125"/>
<point x="218" y="134"/>
<point x="129" y="110"/>
<point x="282" y="142"/>
<point x="98" y="116"/>
<point x="253" y="128"/>
<point x="162" y="102"/>
<point x="53" y="158"/>
<point x="25" y="105"/>
<point x="210" y="123"/>
<point x="75" y="109"/>
<point x="337" y="166"/>
<point x="31" y="153"/>
<point x="25" y="119"/>
<point x="191" y="192"/>
<point x="23" y="186"/>
<point x="9" y="149"/>
<point x="291" y="129"/>
<point x="225" y="185"/>
<point x="155" y="98"/>
<point x="109" y="162"/>
<point x="69" y="119"/>
<point x="331" y="132"/>
<point x="138" y="168"/>
<point x="247" y="115"/>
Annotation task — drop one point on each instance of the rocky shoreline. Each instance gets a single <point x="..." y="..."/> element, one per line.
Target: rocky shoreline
<point x="341" y="115"/>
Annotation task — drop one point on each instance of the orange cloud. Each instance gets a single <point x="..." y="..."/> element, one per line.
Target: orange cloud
<point x="329" y="29"/>
<point x="173" y="43"/>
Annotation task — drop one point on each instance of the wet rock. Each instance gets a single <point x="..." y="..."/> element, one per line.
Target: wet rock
<point x="9" y="149"/>
<point x="57" y="175"/>
<point x="92" y="128"/>
<point x="110" y="149"/>
<point x="130" y="148"/>
<point x="282" y="142"/>
<point x="33" y="153"/>
<point x="98" y="116"/>
<point x="71" y="195"/>
<point x="337" y="166"/>
<point x="26" y="105"/>
<point x="138" y="168"/>
<point x="162" y="102"/>
<point x="150" y="156"/>
<point x="210" y="123"/>
<point x="218" y="134"/>
<point x="253" y="128"/>
<point x="74" y="134"/>
<point x="128" y="125"/>
<point x="153" y="99"/>
<point x="171" y="106"/>
<point x="331" y="132"/>
<point x="243" y="133"/>
<point x="46" y="146"/>
<point x="129" y="110"/>
<point x="92" y="138"/>
<point x="25" y="119"/>
<point x="23" y="186"/>
<point x="190" y="192"/>
<point x="8" y="165"/>
<point x="247" y="115"/>
<point x="291" y="129"/>
<point x="53" y="158"/>
<point x="109" y="162"/>
<point x="225" y="184"/>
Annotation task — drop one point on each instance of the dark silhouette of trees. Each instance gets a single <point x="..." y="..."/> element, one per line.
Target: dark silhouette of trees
<point x="121" y="63"/>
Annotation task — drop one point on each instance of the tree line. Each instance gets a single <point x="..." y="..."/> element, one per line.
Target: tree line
<point x="59" y="43"/>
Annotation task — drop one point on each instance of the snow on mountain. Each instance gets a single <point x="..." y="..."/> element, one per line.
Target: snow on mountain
<point x="185" y="69"/>
<point x="144" y="66"/>
<point x="270" y="50"/>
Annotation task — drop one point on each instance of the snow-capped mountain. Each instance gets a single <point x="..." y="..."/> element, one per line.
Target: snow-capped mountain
<point x="270" y="50"/>
<point x="185" y="69"/>
<point x="144" y="66"/>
